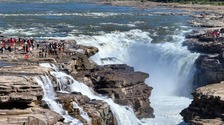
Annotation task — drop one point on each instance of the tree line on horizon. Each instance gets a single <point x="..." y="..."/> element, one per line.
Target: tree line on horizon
<point x="213" y="2"/>
<point x="187" y="0"/>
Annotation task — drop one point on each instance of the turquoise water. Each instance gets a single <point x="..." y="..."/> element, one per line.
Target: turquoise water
<point x="77" y="18"/>
<point x="148" y="41"/>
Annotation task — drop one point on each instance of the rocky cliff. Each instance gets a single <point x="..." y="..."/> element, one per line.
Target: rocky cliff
<point x="205" y="41"/>
<point x="120" y="82"/>
<point x="21" y="96"/>
<point x="207" y="107"/>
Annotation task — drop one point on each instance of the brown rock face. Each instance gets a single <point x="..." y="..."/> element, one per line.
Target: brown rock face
<point x="207" y="107"/>
<point x="204" y="47"/>
<point x="124" y="86"/>
<point x="99" y="111"/>
<point x="18" y="90"/>
<point x="210" y="64"/>
<point x="120" y="82"/>
<point x="20" y="96"/>
<point x="31" y="116"/>
<point x="89" y="50"/>
<point x="210" y="69"/>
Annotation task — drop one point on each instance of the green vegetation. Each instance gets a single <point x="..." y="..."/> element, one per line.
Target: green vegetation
<point x="211" y="2"/>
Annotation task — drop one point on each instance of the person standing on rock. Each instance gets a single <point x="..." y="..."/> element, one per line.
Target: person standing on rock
<point x="215" y="35"/>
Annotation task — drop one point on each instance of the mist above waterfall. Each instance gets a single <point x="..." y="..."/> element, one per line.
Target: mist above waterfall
<point x="170" y="65"/>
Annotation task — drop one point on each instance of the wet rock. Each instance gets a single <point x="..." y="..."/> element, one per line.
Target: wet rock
<point x="195" y="45"/>
<point x="124" y="86"/>
<point x="210" y="69"/>
<point x="97" y="110"/>
<point x="88" y="50"/>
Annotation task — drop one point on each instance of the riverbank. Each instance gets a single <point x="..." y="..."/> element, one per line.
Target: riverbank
<point x="149" y="4"/>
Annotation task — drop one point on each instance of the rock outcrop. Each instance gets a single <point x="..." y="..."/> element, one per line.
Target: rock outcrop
<point x="210" y="69"/>
<point x="203" y="41"/>
<point x="20" y="96"/>
<point x="20" y="93"/>
<point x="97" y="110"/>
<point x="18" y="87"/>
<point x="207" y="106"/>
<point x="122" y="84"/>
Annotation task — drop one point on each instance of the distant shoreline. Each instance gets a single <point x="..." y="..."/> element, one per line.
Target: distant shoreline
<point x="148" y="5"/>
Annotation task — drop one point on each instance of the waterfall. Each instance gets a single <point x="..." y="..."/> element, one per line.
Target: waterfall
<point x="62" y="88"/>
<point x="123" y="114"/>
<point x="169" y="64"/>
<point x="49" y="98"/>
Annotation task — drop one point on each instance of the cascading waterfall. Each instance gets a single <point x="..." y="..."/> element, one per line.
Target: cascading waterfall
<point x="122" y="35"/>
<point x="49" y="98"/>
<point x="124" y="114"/>
<point x="170" y="65"/>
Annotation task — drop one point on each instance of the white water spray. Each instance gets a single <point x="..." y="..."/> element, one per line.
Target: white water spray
<point x="50" y="93"/>
<point x="49" y="98"/>
<point x="170" y="65"/>
<point x="124" y="114"/>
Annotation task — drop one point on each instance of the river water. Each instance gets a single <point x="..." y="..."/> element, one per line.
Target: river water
<point x="141" y="38"/>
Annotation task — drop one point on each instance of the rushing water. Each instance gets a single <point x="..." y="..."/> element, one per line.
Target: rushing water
<point x="49" y="98"/>
<point x="139" y="37"/>
<point x="123" y="114"/>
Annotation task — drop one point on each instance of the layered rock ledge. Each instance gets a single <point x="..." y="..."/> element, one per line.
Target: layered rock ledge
<point x="21" y="96"/>
<point x="207" y="106"/>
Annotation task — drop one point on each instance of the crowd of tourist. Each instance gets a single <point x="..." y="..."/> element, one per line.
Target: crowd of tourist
<point x="27" y="45"/>
<point x="215" y="34"/>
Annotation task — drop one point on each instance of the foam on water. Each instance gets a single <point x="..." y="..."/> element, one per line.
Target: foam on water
<point x="90" y="14"/>
<point x="49" y="97"/>
<point x="124" y="114"/>
<point x="170" y="65"/>
<point x="113" y="46"/>
<point x="167" y="109"/>
<point x="118" y="24"/>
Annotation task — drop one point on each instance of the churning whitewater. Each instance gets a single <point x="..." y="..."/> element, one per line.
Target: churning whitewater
<point x="49" y="97"/>
<point x="170" y="65"/>
<point x="141" y="38"/>
<point x="124" y="114"/>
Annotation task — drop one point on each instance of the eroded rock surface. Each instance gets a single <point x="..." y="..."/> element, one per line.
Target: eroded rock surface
<point x="19" y="90"/>
<point x="122" y="84"/>
<point x="207" y="107"/>
<point x="125" y="87"/>
<point x="97" y="110"/>
<point x="20" y="96"/>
